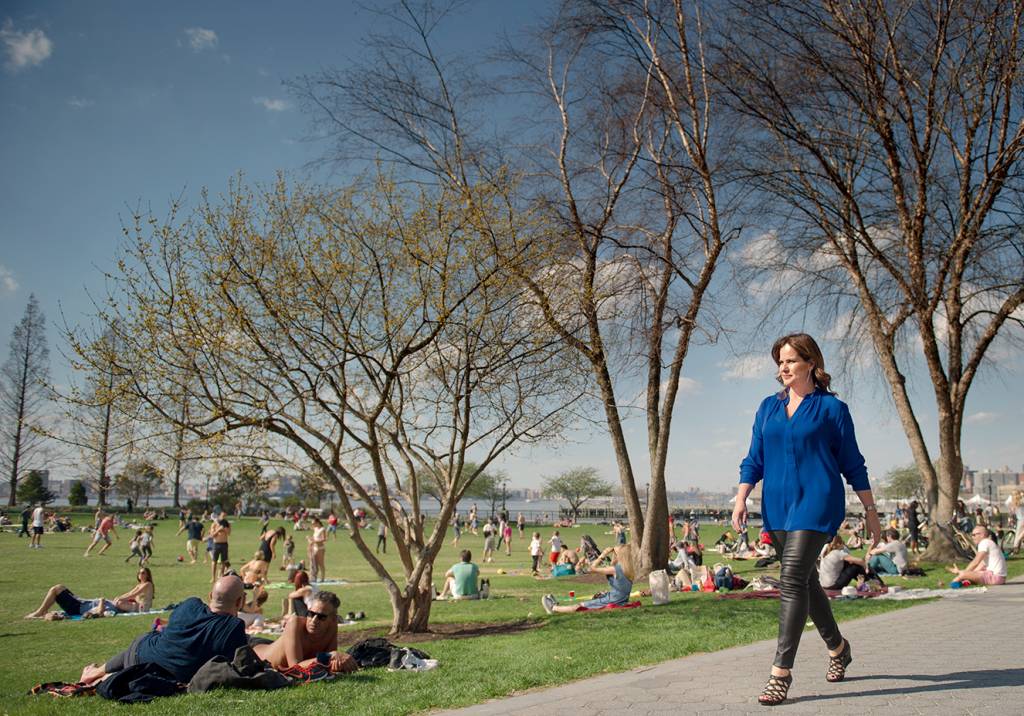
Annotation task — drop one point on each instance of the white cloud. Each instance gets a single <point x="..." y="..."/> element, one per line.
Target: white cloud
<point x="201" y="38"/>
<point x="271" y="104"/>
<point x="80" y="102"/>
<point x="748" y="367"/>
<point x="24" y="49"/>
<point x="8" y="284"/>
<point x="981" y="418"/>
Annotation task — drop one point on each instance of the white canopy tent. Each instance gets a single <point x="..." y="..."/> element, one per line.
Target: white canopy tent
<point x="977" y="500"/>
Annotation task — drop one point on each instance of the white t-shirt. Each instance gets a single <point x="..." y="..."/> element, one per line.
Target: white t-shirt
<point x="995" y="562"/>
<point x="898" y="551"/>
<point x="37" y="517"/>
<point x="830" y="567"/>
<point x="535" y="546"/>
<point x="556" y="544"/>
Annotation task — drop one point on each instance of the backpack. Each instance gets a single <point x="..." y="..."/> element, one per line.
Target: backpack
<point x="723" y="577"/>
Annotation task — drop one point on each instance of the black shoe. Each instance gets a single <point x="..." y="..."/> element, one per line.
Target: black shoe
<point x="776" y="690"/>
<point x="837" y="664"/>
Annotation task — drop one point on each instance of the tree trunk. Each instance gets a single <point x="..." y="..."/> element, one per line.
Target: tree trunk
<point x="654" y="552"/>
<point x="940" y="543"/>
<point x="410" y="610"/>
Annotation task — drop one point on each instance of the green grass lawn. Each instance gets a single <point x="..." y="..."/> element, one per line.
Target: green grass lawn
<point x="562" y="648"/>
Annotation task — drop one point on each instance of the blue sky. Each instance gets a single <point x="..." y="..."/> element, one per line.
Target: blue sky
<point x="106" y="105"/>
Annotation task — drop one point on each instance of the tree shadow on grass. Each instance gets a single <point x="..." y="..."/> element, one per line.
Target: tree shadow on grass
<point x="460" y="630"/>
<point x="958" y="680"/>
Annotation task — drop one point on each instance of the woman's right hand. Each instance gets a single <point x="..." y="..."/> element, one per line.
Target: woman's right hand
<point x="739" y="515"/>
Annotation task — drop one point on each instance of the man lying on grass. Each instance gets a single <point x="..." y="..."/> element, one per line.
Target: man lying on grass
<point x="194" y="634"/>
<point x="311" y="636"/>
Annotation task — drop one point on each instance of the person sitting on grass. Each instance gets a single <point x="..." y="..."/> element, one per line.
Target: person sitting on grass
<point x="252" y="611"/>
<point x="890" y="557"/>
<point x="194" y="634"/>
<point x="838" y="567"/>
<point x="309" y="637"/>
<point x="295" y="602"/>
<point x="460" y="582"/>
<point x="725" y="543"/>
<point x="137" y="599"/>
<point x="682" y="562"/>
<point x="254" y="571"/>
<point x="988" y="566"/>
<point x="620" y="583"/>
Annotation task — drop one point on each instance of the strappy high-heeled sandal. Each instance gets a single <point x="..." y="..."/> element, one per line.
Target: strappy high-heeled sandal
<point x="837" y="664"/>
<point x="776" y="690"/>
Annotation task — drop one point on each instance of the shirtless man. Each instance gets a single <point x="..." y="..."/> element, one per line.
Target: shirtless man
<point x="306" y="637"/>
<point x="220" y="530"/>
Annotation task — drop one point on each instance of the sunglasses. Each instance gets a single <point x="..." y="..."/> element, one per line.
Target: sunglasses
<point x="310" y="614"/>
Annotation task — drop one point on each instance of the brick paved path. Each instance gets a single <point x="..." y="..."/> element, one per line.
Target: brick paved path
<point x="953" y="656"/>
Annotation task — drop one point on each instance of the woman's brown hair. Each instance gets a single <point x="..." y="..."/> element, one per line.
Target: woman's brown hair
<point x="807" y="348"/>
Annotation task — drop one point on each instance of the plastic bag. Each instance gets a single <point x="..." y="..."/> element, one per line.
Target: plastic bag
<point x="658" y="580"/>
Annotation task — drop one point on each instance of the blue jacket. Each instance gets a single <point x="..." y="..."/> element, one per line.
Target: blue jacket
<point x="801" y="459"/>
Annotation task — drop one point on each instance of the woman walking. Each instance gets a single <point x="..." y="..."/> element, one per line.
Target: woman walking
<point x="318" y="550"/>
<point x="803" y="444"/>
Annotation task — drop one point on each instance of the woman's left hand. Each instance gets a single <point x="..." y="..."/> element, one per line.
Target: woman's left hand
<point x="874" y="528"/>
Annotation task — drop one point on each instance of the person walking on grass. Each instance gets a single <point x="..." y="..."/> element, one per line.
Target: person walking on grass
<point x="318" y="550"/>
<point x="382" y="537"/>
<point x="103" y="533"/>
<point x="38" y="521"/>
<point x="26" y="515"/>
<point x="556" y="548"/>
<point x="802" y="446"/>
<point x="521" y="524"/>
<point x="535" y="552"/>
<point x="456" y="529"/>
<point x="508" y="539"/>
<point x="220" y="531"/>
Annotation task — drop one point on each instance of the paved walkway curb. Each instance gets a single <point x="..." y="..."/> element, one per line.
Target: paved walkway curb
<point x="954" y="656"/>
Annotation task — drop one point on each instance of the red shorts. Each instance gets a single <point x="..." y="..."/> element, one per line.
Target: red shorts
<point x="554" y="557"/>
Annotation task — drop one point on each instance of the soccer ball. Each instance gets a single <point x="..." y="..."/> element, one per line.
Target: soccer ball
<point x="180" y="558"/>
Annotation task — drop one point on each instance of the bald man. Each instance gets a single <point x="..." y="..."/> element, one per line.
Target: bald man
<point x="194" y="634"/>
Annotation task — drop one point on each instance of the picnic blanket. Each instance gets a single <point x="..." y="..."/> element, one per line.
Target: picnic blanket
<point x="151" y="612"/>
<point x="627" y="605"/>
<point x="325" y="583"/>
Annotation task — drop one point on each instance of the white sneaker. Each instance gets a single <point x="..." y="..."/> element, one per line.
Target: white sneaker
<point x="548" y="602"/>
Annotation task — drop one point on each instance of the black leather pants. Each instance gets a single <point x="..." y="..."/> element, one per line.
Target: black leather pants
<point x="801" y="593"/>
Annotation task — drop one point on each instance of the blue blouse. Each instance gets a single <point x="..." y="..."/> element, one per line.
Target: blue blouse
<point x="800" y="460"/>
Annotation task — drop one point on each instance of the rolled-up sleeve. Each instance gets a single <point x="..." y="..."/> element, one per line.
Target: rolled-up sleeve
<point x="752" y="466"/>
<point x="851" y="462"/>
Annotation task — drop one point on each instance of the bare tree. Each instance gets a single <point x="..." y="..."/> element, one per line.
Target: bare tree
<point x="367" y="329"/>
<point x="892" y="138"/>
<point x="23" y="395"/>
<point x="622" y="175"/>
<point x="100" y="416"/>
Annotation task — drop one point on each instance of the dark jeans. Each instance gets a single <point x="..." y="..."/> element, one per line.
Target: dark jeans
<point x="847" y="574"/>
<point x="128" y="657"/>
<point x="801" y="593"/>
